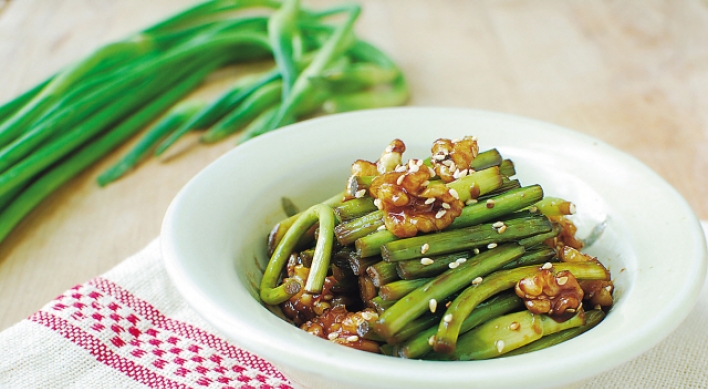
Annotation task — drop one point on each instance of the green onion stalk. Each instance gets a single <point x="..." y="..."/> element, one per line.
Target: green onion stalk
<point x="77" y="116"/>
<point x="270" y="292"/>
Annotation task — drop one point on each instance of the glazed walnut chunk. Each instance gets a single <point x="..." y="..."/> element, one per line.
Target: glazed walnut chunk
<point x="558" y="295"/>
<point x="340" y="326"/>
<point x="411" y="203"/>
<point x="597" y="293"/>
<point x="304" y="306"/>
<point x="390" y="158"/>
<point x="451" y="159"/>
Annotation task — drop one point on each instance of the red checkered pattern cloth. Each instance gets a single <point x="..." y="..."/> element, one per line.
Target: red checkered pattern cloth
<point x="127" y="329"/>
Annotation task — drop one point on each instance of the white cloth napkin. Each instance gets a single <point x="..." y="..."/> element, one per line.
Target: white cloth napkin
<point x="129" y="328"/>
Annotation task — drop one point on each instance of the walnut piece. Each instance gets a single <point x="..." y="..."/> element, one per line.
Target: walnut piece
<point x="404" y="191"/>
<point x="387" y="162"/>
<point x="411" y="203"/>
<point x="453" y="157"/>
<point x="304" y="306"/>
<point x="340" y="326"/>
<point x="596" y="292"/>
<point x="560" y="296"/>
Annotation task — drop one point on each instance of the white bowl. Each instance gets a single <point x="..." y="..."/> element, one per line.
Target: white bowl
<point x="214" y="234"/>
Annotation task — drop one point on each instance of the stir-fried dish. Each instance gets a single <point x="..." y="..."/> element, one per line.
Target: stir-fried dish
<point x="443" y="258"/>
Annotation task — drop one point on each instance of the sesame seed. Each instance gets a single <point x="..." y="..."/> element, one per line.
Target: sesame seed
<point x="389" y="148"/>
<point x="332" y="336"/>
<point x="608" y="288"/>
<point x="547" y="266"/>
<point x="424" y="249"/>
<point x="400" y="169"/>
<point x="490" y="203"/>
<point x="352" y="338"/>
<point x="440" y="213"/>
<point x="475" y="250"/>
<point x="453" y="265"/>
<point x="453" y="166"/>
<point x="419" y="162"/>
<point x="498" y="224"/>
<point x="426" y="261"/>
<point x="514" y="326"/>
<point x="502" y="229"/>
<point x="572" y="209"/>
<point x="500" y="345"/>
<point x="447" y="304"/>
<point x="430" y="200"/>
<point x="395" y="198"/>
<point x="471" y="201"/>
<point x="562" y="280"/>
<point x="381" y="228"/>
<point x="477" y="281"/>
<point x="463" y="173"/>
<point x="426" y="183"/>
<point x="431" y="171"/>
<point x="570" y="310"/>
<point x="454" y="193"/>
<point x="433" y="305"/>
<point x="439" y="157"/>
<point x="414" y="221"/>
<point x="377" y="203"/>
<point x="447" y="318"/>
<point x="533" y="209"/>
<point x="431" y="340"/>
<point x="414" y="168"/>
<point x="445" y="205"/>
<point x="461" y="260"/>
<point x="491" y="245"/>
<point x="598" y="307"/>
<point x="447" y="163"/>
<point x="399" y="181"/>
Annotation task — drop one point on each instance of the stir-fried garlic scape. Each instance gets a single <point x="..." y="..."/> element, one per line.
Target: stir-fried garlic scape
<point x="443" y="258"/>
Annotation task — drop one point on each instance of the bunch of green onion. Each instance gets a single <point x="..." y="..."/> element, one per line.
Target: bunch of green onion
<point x="63" y="125"/>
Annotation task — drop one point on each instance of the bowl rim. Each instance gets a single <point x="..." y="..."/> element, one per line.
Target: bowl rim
<point x="340" y="360"/>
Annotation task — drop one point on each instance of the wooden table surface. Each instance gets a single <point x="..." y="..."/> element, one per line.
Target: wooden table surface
<point x="632" y="73"/>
